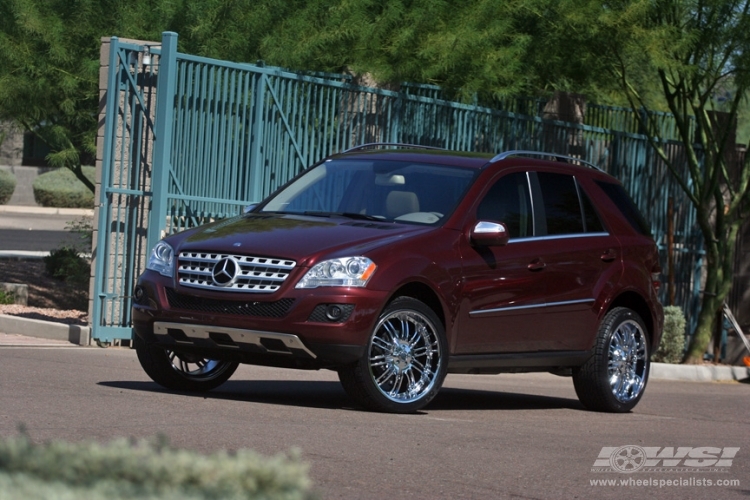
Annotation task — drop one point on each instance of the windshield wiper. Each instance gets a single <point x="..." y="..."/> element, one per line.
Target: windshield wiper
<point x="354" y="215"/>
<point x="348" y="215"/>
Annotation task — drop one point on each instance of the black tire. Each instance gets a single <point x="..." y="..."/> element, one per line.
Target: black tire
<point x="405" y="361"/>
<point x="182" y="372"/>
<point x="614" y="378"/>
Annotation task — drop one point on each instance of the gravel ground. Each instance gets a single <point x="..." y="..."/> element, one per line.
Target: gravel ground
<point x="49" y="299"/>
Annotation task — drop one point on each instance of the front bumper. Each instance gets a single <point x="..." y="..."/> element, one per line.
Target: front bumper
<point x="254" y="328"/>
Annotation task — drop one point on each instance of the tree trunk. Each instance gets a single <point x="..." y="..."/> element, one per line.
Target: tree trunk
<point x="719" y="272"/>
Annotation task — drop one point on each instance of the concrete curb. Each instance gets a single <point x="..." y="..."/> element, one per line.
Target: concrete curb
<point x="81" y="335"/>
<point x="698" y="373"/>
<point x="22" y="254"/>
<point x="23" y="209"/>
<point x="50" y="330"/>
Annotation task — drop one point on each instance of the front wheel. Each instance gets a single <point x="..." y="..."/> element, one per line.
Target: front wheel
<point x="405" y="362"/>
<point x="614" y="377"/>
<point x="181" y="371"/>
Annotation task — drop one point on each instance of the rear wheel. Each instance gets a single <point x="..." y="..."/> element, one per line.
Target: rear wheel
<point x="180" y="371"/>
<point x="614" y="378"/>
<point x="405" y="362"/>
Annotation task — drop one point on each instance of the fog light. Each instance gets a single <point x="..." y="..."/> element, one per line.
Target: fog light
<point x="334" y="312"/>
<point x="138" y="294"/>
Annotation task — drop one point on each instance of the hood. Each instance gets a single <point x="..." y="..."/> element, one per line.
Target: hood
<point x="297" y="237"/>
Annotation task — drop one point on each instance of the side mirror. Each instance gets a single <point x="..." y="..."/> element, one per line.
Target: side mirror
<point x="248" y="208"/>
<point x="489" y="234"/>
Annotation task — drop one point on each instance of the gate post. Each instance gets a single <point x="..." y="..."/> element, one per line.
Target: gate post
<point x="163" y="124"/>
<point x="257" y="162"/>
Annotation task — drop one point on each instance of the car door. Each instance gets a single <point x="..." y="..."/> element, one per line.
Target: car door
<point x="502" y="287"/>
<point x="581" y="261"/>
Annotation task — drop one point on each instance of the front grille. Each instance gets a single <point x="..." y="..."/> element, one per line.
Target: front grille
<point x="254" y="274"/>
<point x="276" y="309"/>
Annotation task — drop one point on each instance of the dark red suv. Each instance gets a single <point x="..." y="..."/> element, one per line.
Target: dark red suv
<point x="396" y="265"/>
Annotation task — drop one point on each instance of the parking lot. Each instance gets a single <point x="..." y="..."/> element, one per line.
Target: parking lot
<point x="500" y="436"/>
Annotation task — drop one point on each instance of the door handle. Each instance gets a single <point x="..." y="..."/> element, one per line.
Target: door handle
<point x="536" y="265"/>
<point x="609" y="255"/>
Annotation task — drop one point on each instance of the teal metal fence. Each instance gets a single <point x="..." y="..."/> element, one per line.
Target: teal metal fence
<point x="220" y="135"/>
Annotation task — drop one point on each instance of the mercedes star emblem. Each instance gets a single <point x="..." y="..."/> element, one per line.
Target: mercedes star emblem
<point x="225" y="271"/>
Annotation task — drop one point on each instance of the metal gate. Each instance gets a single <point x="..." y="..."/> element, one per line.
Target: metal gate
<point x="124" y="190"/>
<point x="189" y="140"/>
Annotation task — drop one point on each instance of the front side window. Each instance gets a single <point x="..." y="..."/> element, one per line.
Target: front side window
<point x="508" y="201"/>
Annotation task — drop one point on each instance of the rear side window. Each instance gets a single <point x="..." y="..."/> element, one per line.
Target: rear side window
<point x="561" y="204"/>
<point x="627" y="207"/>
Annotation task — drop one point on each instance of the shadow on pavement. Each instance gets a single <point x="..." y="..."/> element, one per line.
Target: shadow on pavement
<point x="330" y="395"/>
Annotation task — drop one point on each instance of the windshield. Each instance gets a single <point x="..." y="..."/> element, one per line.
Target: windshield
<point x="378" y="190"/>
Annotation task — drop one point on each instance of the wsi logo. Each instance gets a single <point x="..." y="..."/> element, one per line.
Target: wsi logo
<point x="633" y="458"/>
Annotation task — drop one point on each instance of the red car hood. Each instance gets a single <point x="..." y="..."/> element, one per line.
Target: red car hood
<point x="297" y="237"/>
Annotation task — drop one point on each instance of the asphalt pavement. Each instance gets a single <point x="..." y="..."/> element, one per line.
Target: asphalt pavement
<point x="521" y="436"/>
<point x="29" y="231"/>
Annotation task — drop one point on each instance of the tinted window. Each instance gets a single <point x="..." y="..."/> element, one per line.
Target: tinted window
<point x="508" y="201"/>
<point x="561" y="205"/>
<point x="626" y="205"/>
<point x="590" y="218"/>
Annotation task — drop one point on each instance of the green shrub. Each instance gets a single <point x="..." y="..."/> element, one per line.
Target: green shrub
<point x="7" y="186"/>
<point x="61" y="188"/>
<point x="6" y="298"/>
<point x="67" y="265"/>
<point x="672" y="347"/>
<point x="127" y="470"/>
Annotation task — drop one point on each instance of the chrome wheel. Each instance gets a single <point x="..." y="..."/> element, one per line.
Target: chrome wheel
<point x="627" y="361"/>
<point x="614" y="377"/>
<point x="404" y="363"/>
<point x="182" y="371"/>
<point x="403" y="356"/>
<point x="197" y="368"/>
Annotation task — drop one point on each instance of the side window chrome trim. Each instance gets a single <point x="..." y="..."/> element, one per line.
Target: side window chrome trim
<point x="531" y="306"/>
<point x="558" y="237"/>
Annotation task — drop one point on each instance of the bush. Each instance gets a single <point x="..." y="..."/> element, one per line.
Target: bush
<point x="61" y="188"/>
<point x="672" y="347"/>
<point x="65" y="264"/>
<point x="127" y="470"/>
<point x="7" y="186"/>
<point x="7" y="298"/>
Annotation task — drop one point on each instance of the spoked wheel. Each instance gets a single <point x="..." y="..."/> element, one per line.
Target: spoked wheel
<point x="181" y="371"/>
<point x="614" y="378"/>
<point x="404" y="364"/>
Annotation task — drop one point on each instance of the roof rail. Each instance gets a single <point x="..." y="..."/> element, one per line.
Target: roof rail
<point x="391" y="144"/>
<point x="555" y="157"/>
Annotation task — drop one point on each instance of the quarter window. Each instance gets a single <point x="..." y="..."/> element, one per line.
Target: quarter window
<point x="627" y="206"/>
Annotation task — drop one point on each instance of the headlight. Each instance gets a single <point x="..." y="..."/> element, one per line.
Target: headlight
<point x="347" y="271"/>
<point x="161" y="259"/>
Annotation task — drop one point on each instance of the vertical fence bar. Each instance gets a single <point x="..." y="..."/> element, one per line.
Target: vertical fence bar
<point x="163" y="123"/>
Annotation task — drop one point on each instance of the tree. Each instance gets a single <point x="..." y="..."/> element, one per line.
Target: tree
<point x="465" y="46"/>
<point x="49" y="76"/>
<point x="697" y="50"/>
<point x="49" y="57"/>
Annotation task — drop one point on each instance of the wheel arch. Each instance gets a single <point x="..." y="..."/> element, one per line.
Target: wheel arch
<point x="425" y="294"/>
<point x="637" y="303"/>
